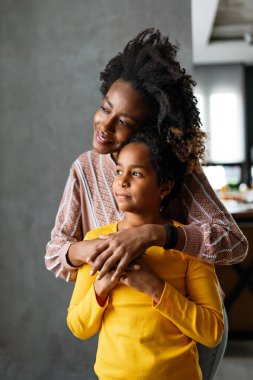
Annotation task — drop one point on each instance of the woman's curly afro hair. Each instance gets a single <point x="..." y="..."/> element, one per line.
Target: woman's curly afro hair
<point x="149" y="63"/>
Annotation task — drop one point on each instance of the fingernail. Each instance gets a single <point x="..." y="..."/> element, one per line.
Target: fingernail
<point x="88" y="260"/>
<point x="91" y="272"/>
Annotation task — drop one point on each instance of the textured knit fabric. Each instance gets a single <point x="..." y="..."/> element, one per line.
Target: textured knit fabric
<point x="87" y="203"/>
<point x="142" y="340"/>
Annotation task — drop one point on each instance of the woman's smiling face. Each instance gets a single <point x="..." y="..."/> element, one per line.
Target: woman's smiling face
<point x="122" y="112"/>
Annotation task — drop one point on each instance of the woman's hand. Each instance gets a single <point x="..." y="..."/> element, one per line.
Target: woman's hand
<point x="121" y="248"/>
<point x="145" y="281"/>
<point x="80" y="252"/>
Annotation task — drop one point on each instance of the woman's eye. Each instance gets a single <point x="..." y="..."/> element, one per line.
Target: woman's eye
<point x="124" y="124"/>
<point x="104" y="109"/>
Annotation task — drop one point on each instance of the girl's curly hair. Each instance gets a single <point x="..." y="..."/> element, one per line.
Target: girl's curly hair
<point x="149" y="63"/>
<point x="161" y="157"/>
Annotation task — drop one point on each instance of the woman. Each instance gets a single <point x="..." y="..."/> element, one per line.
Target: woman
<point x="142" y="84"/>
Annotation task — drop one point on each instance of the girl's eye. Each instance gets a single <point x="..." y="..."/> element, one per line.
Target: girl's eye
<point x="118" y="172"/>
<point x="137" y="174"/>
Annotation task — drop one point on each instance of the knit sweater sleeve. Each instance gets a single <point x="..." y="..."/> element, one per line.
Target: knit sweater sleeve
<point x="199" y="314"/>
<point x="211" y="232"/>
<point x="67" y="230"/>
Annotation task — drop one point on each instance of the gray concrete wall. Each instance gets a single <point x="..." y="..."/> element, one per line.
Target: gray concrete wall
<point x="51" y="54"/>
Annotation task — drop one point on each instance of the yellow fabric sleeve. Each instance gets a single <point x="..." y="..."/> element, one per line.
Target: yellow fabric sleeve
<point x="84" y="313"/>
<point x="200" y="317"/>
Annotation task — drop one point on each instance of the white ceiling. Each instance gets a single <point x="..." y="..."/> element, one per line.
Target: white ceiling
<point x="220" y="37"/>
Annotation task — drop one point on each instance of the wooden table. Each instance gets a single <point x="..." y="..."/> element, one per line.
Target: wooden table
<point x="237" y="282"/>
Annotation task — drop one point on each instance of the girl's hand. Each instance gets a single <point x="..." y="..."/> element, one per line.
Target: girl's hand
<point x="145" y="281"/>
<point x="123" y="247"/>
<point x="103" y="286"/>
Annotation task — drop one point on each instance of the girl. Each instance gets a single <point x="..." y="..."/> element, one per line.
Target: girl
<point x="149" y="320"/>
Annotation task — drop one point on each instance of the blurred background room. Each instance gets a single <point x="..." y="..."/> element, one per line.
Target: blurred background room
<point x="51" y="54"/>
<point x="222" y="34"/>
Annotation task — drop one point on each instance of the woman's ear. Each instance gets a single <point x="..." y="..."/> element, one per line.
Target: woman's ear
<point x="166" y="188"/>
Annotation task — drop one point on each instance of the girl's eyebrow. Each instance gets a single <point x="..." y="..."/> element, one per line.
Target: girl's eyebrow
<point x="133" y="166"/>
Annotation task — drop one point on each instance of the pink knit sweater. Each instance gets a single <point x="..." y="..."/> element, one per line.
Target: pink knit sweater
<point x="88" y="203"/>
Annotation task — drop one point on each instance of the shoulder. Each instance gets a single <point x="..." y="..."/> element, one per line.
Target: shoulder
<point x="104" y="230"/>
<point x="196" y="176"/>
<point x="91" y="160"/>
<point x="85" y="164"/>
<point x="85" y="158"/>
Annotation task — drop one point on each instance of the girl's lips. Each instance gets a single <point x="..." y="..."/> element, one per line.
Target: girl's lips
<point x="122" y="196"/>
<point x="102" y="139"/>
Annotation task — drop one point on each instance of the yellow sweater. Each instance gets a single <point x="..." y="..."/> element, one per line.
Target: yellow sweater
<point x="139" y="340"/>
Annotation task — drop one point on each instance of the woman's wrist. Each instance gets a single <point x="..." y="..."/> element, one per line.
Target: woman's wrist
<point x="73" y="256"/>
<point x="155" y="234"/>
<point x="181" y="239"/>
<point x="172" y="236"/>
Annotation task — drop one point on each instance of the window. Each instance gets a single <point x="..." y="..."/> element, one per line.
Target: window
<point x="220" y="96"/>
<point x="220" y="176"/>
<point x="226" y="143"/>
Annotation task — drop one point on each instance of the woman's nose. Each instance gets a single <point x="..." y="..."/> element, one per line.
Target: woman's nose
<point x="108" y="124"/>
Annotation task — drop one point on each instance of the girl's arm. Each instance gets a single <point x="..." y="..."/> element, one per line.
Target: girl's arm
<point x="89" y="300"/>
<point x="199" y="314"/>
<point x="84" y="312"/>
<point x="211" y="233"/>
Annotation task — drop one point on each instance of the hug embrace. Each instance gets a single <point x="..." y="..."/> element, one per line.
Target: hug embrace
<point x="146" y="279"/>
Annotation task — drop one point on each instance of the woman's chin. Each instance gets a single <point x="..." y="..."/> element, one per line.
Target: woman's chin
<point x="101" y="149"/>
<point x="104" y="148"/>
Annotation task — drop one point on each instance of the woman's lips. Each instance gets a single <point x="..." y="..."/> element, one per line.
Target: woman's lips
<point x="103" y="139"/>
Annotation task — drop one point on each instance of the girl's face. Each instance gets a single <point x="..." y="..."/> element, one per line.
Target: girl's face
<point x="122" y="112"/>
<point x="135" y="184"/>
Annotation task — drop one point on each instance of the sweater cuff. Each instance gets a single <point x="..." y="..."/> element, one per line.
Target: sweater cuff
<point x="194" y="240"/>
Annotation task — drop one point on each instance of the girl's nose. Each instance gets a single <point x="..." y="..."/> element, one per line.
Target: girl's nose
<point x="124" y="182"/>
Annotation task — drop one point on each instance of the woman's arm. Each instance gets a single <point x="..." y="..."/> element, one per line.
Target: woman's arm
<point x="67" y="230"/>
<point x="66" y="249"/>
<point x="211" y="233"/>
